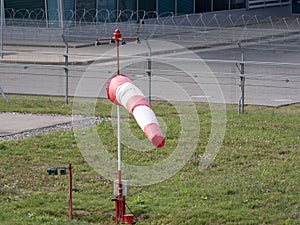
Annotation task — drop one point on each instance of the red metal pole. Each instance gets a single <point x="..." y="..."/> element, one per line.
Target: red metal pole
<point x="70" y="192"/>
<point x="120" y="199"/>
<point x="117" y="37"/>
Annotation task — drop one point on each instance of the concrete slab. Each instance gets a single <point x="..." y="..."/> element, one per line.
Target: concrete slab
<point x="12" y="123"/>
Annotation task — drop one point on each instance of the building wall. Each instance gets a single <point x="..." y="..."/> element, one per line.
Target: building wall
<point x="23" y="4"/>
<point x="296" y="6"/>
<point x="176" y="7"/>
<point x="161" y="6"/>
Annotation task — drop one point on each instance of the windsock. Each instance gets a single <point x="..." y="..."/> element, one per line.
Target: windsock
<point x="121" y="91"/>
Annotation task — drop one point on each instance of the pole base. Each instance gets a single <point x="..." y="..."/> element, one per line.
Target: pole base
<point x="129" y="219"/>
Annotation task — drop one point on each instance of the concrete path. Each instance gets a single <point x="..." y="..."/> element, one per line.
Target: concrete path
<point x="13" y="123"/>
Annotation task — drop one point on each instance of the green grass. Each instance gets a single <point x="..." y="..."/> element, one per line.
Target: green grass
<point x="253" y="180"/>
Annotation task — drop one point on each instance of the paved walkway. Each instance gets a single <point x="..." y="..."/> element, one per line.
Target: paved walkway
<point x="13" y="123"/>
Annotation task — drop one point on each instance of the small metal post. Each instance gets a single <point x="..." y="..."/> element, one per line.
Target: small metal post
<point x="70" y="192"/>
<point x="66" y="68"/>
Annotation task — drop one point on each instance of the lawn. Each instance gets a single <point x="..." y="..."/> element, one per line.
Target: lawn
<point x="253" y="180"/>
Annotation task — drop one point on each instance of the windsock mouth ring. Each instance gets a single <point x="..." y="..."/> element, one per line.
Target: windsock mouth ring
<point x="112" y="85"/>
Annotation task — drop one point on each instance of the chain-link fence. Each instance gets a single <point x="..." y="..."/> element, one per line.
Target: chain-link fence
<point x="255" y="59"/>
<point x="242" y="82"/>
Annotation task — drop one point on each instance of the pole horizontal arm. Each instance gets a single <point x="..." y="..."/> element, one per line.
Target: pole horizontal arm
<point x="105" y="39"/>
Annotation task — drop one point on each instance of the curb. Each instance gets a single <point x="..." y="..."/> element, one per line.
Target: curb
<point x="47" y="44"/>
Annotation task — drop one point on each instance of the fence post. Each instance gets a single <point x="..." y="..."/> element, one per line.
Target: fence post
<point x="149" y="72"/>
<point x="66" y="68"/>
<point x="2" y="23"/>
<point x="242" y="77"/>
<point x="241" y="108"/>
<point x="2" y="18"/>
<point x="3" y="94"/>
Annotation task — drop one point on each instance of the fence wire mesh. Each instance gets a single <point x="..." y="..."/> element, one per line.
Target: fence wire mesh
<point x="266" y="83"/>
<point x="270" y="47"/>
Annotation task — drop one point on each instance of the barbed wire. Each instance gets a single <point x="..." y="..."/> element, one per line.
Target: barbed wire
<point x="40" y="17"/>
<point x="81" y="25"/>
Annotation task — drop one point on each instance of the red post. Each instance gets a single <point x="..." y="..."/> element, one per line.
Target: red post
<point x="117" y="38"/>
<point x="121" y="203"/>
<point x="120" y="208"/>
<point x="70" y="192"/>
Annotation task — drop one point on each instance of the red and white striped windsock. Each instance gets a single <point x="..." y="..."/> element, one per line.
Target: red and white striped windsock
<point x="121" y="91"/>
